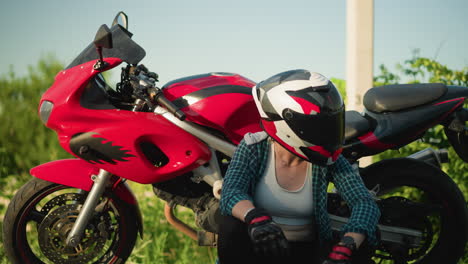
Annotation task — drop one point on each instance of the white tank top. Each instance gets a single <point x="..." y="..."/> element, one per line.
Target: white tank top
<point x="292" y="210"/>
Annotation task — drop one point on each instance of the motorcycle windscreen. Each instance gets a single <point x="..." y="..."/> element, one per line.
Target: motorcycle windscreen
<point x="124" y="48"/>
<point x="326" y="130"/>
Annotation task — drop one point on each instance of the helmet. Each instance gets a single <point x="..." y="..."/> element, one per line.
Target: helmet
<point x="304" y="112"/>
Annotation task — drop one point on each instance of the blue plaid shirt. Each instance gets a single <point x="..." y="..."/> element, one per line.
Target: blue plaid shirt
<point x="249" y="164"/>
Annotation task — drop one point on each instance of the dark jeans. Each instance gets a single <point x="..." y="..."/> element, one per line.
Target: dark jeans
<point x="234" y="246"/>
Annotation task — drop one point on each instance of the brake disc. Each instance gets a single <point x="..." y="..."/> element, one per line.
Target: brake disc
<point x="63" y="211"/>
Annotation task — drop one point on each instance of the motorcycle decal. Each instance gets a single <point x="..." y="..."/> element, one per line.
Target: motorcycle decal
<point x="189" y="78"/>
<point x="457" y="103"/>
<point x="94" y="148"/>
<point x="460" y="100"/>
<point x="371" y="141"/>
<point x="196" y="96"/>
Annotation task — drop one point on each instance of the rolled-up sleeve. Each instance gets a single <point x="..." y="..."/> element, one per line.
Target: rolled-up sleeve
<point x="365" y="213"/>
<point x="238" y="179"/>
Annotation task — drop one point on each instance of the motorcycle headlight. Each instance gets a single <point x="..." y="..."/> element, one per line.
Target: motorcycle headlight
<point x="45" y="110"/>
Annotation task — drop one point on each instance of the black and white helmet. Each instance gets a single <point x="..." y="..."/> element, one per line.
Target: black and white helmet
<point x="304" y="112"/>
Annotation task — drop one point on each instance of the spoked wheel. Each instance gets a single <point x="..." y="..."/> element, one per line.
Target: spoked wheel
<point x="41" y="215"/>
<point x="421" y="198"/>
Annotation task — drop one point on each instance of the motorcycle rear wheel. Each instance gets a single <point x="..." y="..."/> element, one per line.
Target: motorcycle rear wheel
<point x="41" y="214"/>
<point x="423" y="185"/>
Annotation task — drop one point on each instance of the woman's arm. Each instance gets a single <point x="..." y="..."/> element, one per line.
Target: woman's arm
<point x="237" y="182"/>
<point x="241" y="209"/>
<point x="364" y="211"/>
<point x="358" y="238"/>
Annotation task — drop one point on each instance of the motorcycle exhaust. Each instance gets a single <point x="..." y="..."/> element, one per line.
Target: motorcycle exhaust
<point x="431" y="156"/>
<point x="179" y="225"/>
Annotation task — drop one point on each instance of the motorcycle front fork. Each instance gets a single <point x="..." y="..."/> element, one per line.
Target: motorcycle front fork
<point x="209" y="174"/>
<point x="87" y="211"/>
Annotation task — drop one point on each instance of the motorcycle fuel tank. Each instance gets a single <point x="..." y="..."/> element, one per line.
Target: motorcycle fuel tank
<point x="221" y="101"/>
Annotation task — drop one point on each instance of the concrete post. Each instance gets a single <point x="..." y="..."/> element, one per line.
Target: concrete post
<point x="359" y="55"/>
<point x="359" y="50"/>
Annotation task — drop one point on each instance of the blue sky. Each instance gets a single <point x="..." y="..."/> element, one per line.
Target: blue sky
<point x="255" y="38"/>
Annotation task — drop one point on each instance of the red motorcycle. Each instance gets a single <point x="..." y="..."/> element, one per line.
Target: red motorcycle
<point x="180" y="139"/>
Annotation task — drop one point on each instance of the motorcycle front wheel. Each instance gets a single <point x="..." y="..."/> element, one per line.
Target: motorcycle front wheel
<point x="419" y="196"/>
<point x="41" y="214"/>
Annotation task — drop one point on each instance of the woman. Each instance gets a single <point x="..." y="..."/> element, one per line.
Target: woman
<point x="275" y="190"/>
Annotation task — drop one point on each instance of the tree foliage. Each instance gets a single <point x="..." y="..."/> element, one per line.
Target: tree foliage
<point x="341" y="86"/>
<point x="422" y="70"/>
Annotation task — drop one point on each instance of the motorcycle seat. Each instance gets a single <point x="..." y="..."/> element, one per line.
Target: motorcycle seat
<point x="391" y="98"/>
<point x="356" y="125"/>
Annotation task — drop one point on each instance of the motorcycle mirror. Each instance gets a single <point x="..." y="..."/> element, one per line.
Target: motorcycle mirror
<point x="121" y="19"/>
<point x="103" y="38"/>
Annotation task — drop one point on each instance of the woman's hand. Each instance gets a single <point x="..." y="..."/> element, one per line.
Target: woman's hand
<point x="342" y="252"/>
<point x="267" y="237"/>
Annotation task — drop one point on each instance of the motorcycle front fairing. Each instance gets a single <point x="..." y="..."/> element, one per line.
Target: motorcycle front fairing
<point x="139" y="146"/>
<point x="119" y="141"/>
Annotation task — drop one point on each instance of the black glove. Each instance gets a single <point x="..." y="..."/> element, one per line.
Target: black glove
<point x="340" y="254"/>
<point x="267" y="237"/>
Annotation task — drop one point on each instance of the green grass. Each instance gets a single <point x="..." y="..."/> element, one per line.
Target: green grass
<point x="161" y="242"/>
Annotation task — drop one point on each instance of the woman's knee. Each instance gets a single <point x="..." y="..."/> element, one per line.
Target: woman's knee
<point x="233" y="240"/>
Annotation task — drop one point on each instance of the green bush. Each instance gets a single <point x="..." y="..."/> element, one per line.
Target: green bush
<point x="24" y="141"/>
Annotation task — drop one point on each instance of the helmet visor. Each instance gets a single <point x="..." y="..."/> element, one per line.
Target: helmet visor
<point x="325" y="129"/>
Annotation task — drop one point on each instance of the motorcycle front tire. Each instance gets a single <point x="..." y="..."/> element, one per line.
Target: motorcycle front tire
<point x="42" y="213"/>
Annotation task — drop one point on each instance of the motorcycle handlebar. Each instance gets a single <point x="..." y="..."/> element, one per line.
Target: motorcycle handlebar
<point x="143" y="79"/>
<point x="170" y="106"/>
